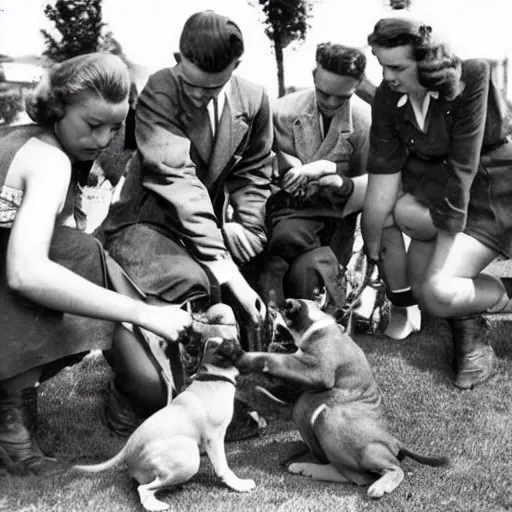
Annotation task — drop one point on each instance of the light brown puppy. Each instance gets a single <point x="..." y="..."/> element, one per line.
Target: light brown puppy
<point x="340" y="416"/>
<point x="165" y="450"/>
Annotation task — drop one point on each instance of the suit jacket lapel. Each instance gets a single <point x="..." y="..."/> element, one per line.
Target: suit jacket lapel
<point x="232" y="128"/>
<point x="341" y="124"/>
<point x="199" y="132"/>
<point x="306" y="131"/>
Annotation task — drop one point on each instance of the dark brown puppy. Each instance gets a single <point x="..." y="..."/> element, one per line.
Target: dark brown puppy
<point x="340" y="418"/>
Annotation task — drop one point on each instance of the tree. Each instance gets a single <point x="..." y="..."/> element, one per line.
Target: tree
<point x="81" y="28"/>
<point x="10" y="107"/>
<point x="285" y="21"/>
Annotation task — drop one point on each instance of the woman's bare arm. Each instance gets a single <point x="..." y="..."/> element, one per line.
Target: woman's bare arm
<point x="381" y="197"/>
<point x="31" y="273"/>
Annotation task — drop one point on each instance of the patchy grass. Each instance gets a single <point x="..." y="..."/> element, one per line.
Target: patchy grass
<point x="424" y="410"/>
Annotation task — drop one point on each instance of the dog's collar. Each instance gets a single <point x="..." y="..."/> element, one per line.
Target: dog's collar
<point x="214" y="378"/>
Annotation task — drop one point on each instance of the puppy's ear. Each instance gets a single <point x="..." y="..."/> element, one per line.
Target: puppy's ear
<point x="231" y="350"/>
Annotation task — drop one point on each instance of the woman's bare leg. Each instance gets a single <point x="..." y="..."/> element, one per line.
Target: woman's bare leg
<point x="405" y="316"/>
<point x="454" y="284"/>
<point x="456" y="289"/>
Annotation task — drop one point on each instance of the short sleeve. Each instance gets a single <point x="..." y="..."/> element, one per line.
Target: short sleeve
<point x="388" y="152"/>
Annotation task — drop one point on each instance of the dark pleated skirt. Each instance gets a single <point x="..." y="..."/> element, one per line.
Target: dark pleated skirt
<point x="33" y="335"/>
<point x="490" y="204"/>
<point x="489" y="218"/>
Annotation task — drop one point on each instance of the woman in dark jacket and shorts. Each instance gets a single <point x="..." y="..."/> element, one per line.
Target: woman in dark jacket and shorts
<point x="441" y="172"/>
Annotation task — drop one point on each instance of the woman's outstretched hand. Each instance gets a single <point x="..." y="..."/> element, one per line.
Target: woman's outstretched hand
<point x="169" y="322"/>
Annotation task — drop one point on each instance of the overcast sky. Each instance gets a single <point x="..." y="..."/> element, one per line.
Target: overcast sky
<point x="149" y="30"/>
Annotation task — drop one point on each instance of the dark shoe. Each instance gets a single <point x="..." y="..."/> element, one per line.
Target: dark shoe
<point x="19" y="450"/>
<point x="245" y="423"/>
<point x="120" y="413"/>
<point x="474" y="358"/>
<point x="30" y="406"/>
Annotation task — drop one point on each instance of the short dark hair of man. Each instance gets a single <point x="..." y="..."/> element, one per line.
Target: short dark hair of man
<point x="341" y="60"/>
<point x="211" y="41"/>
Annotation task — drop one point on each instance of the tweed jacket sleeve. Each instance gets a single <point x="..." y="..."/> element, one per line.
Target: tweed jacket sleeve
<point x="286" y="154"/>
<point x="170" y="172"/>
<point x="360" y="139"/>
<point x="248" y="184"/>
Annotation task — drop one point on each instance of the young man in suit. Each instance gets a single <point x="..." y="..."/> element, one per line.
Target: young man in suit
<point x="321" y="143"/>
<point x="191" y="208"/>
<point x="320" y="134"/>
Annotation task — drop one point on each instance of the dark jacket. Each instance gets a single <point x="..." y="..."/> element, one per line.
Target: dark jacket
<point x="439" y="165"/>
<point x="178" y="183"/>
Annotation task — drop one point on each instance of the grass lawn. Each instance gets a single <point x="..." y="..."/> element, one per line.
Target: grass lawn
<point x="431" y="416"/>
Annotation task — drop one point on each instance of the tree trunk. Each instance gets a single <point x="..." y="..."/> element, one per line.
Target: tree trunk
<point x="505" y="76"/>
<point x="280" y="67"/>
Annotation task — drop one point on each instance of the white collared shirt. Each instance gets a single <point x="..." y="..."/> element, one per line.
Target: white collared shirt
<point x="221" y="99"/>
<point x="322" y="127"/>
<point x="419" y="114"/>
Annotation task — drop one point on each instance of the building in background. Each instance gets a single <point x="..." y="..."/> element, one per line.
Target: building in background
<point x="18" y="76"/>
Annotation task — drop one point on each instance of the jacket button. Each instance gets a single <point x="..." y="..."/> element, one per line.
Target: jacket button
<point x="412" y="141"/>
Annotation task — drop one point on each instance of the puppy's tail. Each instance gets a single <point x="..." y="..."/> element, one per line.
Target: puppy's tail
<point x="266" y="392"/>
<point x="422" y="459"/>
<point x="97" y="468"/>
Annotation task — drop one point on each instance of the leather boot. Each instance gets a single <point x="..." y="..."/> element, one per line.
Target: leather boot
<point x="137" y="390"/>
<point x="121" y="415"/>
<point x="19" y="450"/>
<point x="474" y="358"/>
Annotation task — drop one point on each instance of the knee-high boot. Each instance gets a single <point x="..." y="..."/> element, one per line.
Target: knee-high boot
<point x="137" y="390"/>
<point x="19" y="450"/>
<point x="474" y="358"/>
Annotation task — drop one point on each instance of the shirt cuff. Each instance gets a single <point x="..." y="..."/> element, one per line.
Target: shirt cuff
<point x="222" y="268"/>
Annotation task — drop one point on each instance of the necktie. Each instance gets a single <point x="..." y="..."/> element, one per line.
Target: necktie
<point x="215" y="117"/>
<point x="327" y="123"/>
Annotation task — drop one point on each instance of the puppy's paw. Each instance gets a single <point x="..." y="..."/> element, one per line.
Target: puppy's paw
<point x="241" y="485"/>
<point x="376" y="490"/>
<point x="387" y="483"/>
<point x="301" y="468"/>
<point x="230" y="350"/>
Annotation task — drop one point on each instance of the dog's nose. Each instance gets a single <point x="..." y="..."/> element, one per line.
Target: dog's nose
<point x="291" y="306"/>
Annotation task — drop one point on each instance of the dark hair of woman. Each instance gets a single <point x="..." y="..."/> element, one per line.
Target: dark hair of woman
<point x="438" y="68"/>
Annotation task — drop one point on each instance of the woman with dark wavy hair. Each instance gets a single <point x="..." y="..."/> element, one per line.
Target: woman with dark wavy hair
<point x="441" y="172"/>
<point x="48" y="264"/>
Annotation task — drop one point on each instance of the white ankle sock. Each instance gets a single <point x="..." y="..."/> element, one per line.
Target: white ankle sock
<point x="403" y="321"/>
